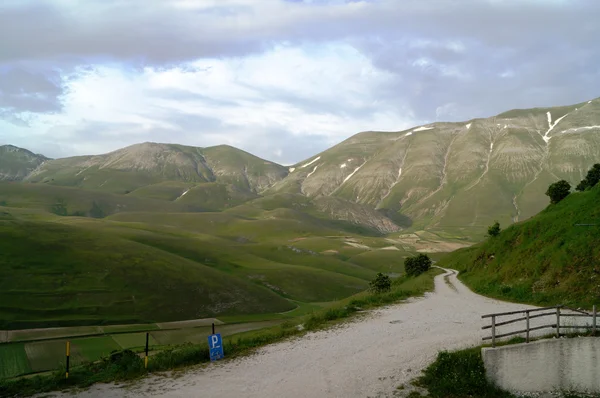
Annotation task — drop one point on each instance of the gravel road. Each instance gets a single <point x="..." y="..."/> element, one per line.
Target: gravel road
<point x="368" y="357"/>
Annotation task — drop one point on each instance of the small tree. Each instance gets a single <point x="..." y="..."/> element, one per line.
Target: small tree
<point x="494" y="229"/>
<point x="96" y="211"/>
<point x="591" y="179"/>
<point x="415" y="266"/>
<point x="59" y="208"/>
<point x="558" y="191"/>
<point x="381" y="284"/>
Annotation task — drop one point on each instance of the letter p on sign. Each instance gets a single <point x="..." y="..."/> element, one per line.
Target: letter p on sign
<point x="215" y="347"/>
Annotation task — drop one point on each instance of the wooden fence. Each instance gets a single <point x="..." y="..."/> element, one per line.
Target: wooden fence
<point x="556" y="312"/>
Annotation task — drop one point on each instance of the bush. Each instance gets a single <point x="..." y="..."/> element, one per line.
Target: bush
<point x="417" y="265"/>
<point x="459" y="374"/>
<point x="591" y="179"/>
<point x="381" y="284"/>
<point x="494" y="230"/>
<point x="558" y="191"/>
<point x="59" y="208"/>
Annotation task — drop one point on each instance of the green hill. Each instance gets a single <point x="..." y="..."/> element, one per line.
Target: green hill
<point x="156" y="266"/>
<point x="553" y="258"/>
<point x="53" y="274"/>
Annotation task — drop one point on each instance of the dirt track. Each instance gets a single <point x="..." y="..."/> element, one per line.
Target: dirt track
<point x="369" y="357"/>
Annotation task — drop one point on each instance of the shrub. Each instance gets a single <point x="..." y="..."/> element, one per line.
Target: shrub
<point x="591" y="179"/>
<point x="494" y="230"/>
<point x="59" y="208"/>
<point x="381" y="284"/>
<point x="558" y="191"/>
<point x="459" y="374"/>
<point x="417" y="265"/>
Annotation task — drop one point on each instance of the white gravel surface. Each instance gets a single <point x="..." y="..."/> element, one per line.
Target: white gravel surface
<point x="368" y="357"/>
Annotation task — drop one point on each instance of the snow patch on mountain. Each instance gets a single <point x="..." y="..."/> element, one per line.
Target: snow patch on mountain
<point x="422" y="128"/>
<point x="311" y="162"/>
<point x="312" y="172"/>
<point x="574" y="129"/>
<point x="354" y="172"/>
<point x="183" y="194"/>
<point x="551" y="125"/>
<point x="468" y="126"/>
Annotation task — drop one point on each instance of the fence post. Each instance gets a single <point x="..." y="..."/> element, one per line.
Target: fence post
<point x="68" y="356"/>
<point x="594" y="321"/>
<point x="493" y="330"/>
<point x="527" y="316"/>
<point x="557" y="322"/>
<point x="146" y="357"/>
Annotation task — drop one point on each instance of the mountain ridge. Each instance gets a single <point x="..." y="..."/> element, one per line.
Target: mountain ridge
<point x="457" y="176"/>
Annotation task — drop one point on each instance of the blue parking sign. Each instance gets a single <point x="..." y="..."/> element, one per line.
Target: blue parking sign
<point x="215" y="346"/>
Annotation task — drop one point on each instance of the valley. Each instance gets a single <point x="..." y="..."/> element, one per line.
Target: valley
<point x="163" y="238"/>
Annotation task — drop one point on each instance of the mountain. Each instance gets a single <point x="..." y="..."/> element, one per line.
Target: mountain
<point x="142" y="165"/>
<point x="451" y="179"/>
<point x="17" y="163"/>
<point x="457" y="177"/>
<point x="549" y="259"/>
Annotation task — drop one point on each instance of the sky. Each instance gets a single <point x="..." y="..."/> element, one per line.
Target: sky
<point x="282" y="79"/>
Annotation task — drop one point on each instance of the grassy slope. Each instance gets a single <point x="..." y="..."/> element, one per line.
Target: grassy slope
<point x="144" y="267"/>
<point x="52" y="274"/>
<point x="41" y="196"/>
<point x="545" y="260"/>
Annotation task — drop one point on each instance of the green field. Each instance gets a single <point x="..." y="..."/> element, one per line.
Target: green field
<point x="93" y="348"/>
<point x="133" y="340"/>
<point x="13" y="360"/>
<point x="46" y="355"/>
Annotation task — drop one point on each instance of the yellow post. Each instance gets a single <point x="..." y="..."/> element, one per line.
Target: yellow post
<point x="68" y="355"/>
<point x="146" y="362"/>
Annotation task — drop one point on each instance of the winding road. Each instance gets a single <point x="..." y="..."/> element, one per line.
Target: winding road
<point x="368" y="357"/>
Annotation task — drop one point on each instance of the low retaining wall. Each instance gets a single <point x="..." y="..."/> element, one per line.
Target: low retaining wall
<point x="569" y="364"/>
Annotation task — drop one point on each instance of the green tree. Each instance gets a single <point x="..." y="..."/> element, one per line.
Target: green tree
<point x="494" y="229"/>
<point x="381" y="284"/>
<point x="59" y="208"/>
<point x="591" y="179"/>
<point x="417" y="265"/>
<point x="558" y="191"/>
<point x="96" y="211"/>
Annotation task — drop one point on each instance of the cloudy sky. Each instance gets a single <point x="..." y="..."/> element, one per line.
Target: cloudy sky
<point x="281" y="79"/>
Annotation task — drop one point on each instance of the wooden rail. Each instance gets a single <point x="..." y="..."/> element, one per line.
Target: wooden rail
<point x="556" y="311"/>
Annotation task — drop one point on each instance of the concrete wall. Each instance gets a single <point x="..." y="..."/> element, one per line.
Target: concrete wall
<point x="546" y="365"/>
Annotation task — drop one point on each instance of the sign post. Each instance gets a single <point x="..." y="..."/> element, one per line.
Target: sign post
<point x="215" y="347"/>
<point x="146" y="357"/>
<point x="68" y="357"/>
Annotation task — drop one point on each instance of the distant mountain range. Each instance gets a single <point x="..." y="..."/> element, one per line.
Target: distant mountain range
<point x="451" y="177"/>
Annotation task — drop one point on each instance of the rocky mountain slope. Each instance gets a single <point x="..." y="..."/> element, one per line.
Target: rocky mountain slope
<point x="17" y="163"/>
<point x="455" y="178"/>
<point x="458" y="176"/>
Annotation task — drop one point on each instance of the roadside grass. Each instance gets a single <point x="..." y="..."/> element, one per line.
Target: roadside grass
<point x="461" y="374"/>
<point x="547" y="260"/>
<point x="128" y="365"/>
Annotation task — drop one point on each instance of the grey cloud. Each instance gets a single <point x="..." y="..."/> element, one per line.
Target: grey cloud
<point x="549" y="46"/>
<point x="24" y="91"/>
